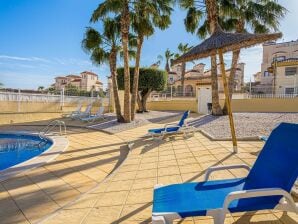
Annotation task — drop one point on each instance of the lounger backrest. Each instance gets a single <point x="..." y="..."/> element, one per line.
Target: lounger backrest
<point x="88" y="108"/>
<point x="183" y="118"/>
<point x="79" y="108"/>
<point x="277" y="163"/>
<point x="100" y="111"/>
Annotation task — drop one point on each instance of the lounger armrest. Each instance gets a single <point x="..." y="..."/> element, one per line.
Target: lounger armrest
<point x="216" y="168"/>
<point x="288" y="205"/>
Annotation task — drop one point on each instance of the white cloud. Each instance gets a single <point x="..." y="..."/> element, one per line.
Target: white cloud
<point x="29" y="59"/>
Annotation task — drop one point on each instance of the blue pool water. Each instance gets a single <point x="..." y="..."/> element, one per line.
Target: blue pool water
<point x="17" y="148"/>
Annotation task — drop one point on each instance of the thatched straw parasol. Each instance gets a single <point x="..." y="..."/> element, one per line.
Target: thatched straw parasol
<point x="218" y="43"/>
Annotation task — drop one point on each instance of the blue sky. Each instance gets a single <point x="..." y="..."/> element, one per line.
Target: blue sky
<point x="41" y="39"/>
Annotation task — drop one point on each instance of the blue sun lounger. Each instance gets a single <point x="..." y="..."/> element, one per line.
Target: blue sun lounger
<point x="170" y="128"/>
<point x="267" y="185"/>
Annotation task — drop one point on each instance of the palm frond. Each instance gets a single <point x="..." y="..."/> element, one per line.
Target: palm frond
<point x="99" y="56"/>
<point x="192" y="19"/>
<point x="106" y="8"/>
<point x="91" y="40"/>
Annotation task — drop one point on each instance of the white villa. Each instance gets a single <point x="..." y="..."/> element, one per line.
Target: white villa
<point x="279" y="70"/>
<point x="84" y="81"/>
<point x="198" y="76"/>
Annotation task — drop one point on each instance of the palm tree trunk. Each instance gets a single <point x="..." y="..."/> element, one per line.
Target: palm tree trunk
<point x="125" y="22"/>
<point x="145" y="95"/>
<point x="167" y="67"/>
<point x="231" y="80"/>
<point x="183" y="77"/>
<point x="216" y="109"/>
<point x="135" y="86"/>
<point x="211" y="7"/>
<point x="139" y="101"/>
<point x="113" y="69"/>
<point x="235" y="58"/>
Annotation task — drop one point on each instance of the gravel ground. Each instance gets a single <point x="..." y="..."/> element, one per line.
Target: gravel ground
<point x="247" y="124"/>
<point x="112" y="126"/>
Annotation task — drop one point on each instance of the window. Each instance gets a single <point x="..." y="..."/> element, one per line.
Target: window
<point x="290" y="71"/>
<point x="279" y="58"/>
<point x="290" y="90"/>
<point x="266" y="73"/>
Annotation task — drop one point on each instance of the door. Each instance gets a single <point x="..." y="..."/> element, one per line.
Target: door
<point x="204" y="97"/>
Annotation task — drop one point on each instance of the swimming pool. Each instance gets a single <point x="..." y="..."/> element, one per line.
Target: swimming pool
<point x="16" y="148"/>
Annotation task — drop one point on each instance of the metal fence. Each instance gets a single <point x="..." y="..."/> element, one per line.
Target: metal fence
<point x="47" y="98"/>
<point x="36" y="102"/>
<point x="168" y="96"/>
<point x="272" y="96"/>
<point x="172" y="95"/>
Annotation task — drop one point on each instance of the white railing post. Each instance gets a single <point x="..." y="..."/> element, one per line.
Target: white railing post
<point x="171" y="92"/>
<point x="19" y="100"/>
<point x="63" y="97"/>
<point x="60" y="98"/>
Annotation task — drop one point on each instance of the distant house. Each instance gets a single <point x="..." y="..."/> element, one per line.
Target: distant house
<point x="279" y="71"/>
<point x="84" y="81"/>
<point x="197" y="76"/>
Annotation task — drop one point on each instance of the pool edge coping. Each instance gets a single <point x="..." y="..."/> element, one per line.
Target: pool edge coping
<point x="60" y="144"/>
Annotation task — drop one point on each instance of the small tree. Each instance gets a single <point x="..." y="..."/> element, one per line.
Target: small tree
<point x="40" y="88"/>
<point x="151" y="79"/>
<point x="71" y="90"/>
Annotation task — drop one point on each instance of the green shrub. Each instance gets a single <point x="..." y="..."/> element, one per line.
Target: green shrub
<point x="150" y="79"/>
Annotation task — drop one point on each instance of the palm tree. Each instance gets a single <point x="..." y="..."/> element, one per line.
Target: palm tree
<point x="145" y="16"/>
<point x="182" y="48"/>
<point x="237" y="15"/>
<point x="259" y="16"/>
<point x="168" y="56"/>
<point x="119" y="8"/>
<point x="104" y="48"/>
<point x="204" y="13"/>
<point x="1" y="84"/>
<point x="159" y="60"/>
<point x="125" y="24"/>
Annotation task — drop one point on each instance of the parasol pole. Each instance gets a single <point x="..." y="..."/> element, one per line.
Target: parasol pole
<point x="228" y="101"/>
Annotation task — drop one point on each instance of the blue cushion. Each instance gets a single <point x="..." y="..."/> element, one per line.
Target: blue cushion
<point x="183" y="118"/>
<point x="195" y="199"/>
<point x="173" y="129"/>
<point x="159" y="130"/>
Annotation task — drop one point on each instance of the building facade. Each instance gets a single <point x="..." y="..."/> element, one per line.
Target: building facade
<point x="279" y="69"/>
<point x="85" y="81"/>
<point x="198" y="76"/>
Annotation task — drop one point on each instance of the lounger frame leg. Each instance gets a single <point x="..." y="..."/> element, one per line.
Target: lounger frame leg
<point x="167" y="218"/>
<point x="219" y="216"/>
<point x="160" y="220"/>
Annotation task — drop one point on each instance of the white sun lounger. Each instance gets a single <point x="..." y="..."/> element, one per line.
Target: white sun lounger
<point x="86" y="113"/>
<point x="75" y="112"/>
<point x="91" y="118"/>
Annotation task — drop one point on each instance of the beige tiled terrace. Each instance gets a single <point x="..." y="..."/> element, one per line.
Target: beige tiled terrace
<point x="56" y="192"/>
<point x="126" y="196"/>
